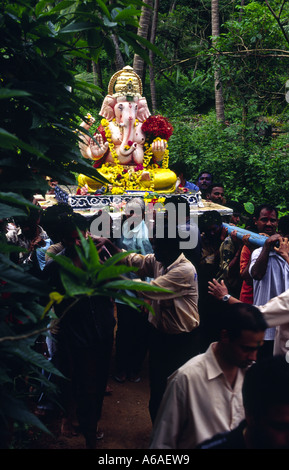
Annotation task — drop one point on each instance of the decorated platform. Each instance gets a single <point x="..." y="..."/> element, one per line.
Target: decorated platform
<point x="67" y="194"/>
<point x="90" y="203"/>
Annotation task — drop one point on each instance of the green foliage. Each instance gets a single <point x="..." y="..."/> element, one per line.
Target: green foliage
<point x="253" y="57"/>
<point x="41" y="108"/>
<point x="255" y="170"/>
<point x="99" y="278"/>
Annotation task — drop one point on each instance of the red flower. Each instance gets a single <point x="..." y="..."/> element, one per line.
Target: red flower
<point x="138" y="167"/>
<point x="130" y="142"/>
<point x="157" y="126"/>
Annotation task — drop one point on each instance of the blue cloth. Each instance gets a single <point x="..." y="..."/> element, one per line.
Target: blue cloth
<point x="191" y="186"/>
<point x="40" y="253"/>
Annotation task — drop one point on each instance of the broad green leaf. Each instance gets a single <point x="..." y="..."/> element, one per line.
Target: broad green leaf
<point x="86" y="87"/>
<point x="9" y="93"/>
<point x="116" y="258"/>
<point x="58" y="8"/>
<point x="16" y="199"/>
<point x="7" y="140"/>
<point x="249" y="207"/>
<point x="76" y="27"/>
<point x="10" y="141"/>
<point x="146" y="43"/>
<point x="104" y="8"/>
<point x="16" y="410"/>
<point x="68" y="265"/>
<point x="10" y="211"/>
<point x="73" y="287"/>
<point x="88" y="255"/>
<point x="134" y="285"/>
<point x="134" y="302"/>
<point x="7" y="248"/>
<point x="27" y="354"/>
<point x="127" y="14"/>
<point x="92" y="253"/>
<point x="31" y="312"/>
<point x="108" y="23"/>
<point x="85" y="244"/>
<point x="22" y="281"/>
<point x="113" y="272"/>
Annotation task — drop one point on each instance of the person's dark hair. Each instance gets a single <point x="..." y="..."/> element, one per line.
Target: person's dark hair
<point x="205" y="173"/>
<point x="68" y="223"/>
<point x="266" y="383"/>
<point x="166" y="241"/>
<point x="214" y="185"/>
<point x="283" y="225"/>
<point x="180" y="167"/>
<point x="269" y="207"/>
<point x="176" y="200"/>
<point x="239" y="317"/>
<point x="236" y="206"/>
<point x="32" y="219"/>
<point x="51" y="220"/>
<point x="209" y="218"/>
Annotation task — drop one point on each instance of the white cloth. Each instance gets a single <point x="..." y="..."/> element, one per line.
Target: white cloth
<point x="136" y="238"/>
<point x="275" y="281"/>
<point x="198" y="403"/>
<point x="276" y="313"/>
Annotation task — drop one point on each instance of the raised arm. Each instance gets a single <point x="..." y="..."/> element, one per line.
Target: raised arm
<point x="259" y="268"/>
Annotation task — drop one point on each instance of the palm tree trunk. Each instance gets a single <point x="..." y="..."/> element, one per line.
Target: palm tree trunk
<point x="151" y="56"/>
<point x="143" y="30"/>
<point x="97" y="75"/>
<point x="219" y="100"/>
<point x="119" y="62"/>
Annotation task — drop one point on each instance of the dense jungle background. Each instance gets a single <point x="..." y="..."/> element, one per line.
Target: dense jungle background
<point x="222" y="85"/>
<point x="217" y="69"/>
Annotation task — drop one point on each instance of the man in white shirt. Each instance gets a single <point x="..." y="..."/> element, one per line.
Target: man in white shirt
<point x="265" y="279"/>
<point x="275" y="280"/>
<point x="204" y="396"/>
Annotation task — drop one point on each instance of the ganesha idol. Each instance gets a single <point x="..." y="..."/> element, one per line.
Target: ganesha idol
<point x="130" y="147"/>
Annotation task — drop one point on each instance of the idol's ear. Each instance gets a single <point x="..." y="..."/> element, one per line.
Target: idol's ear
<point x="143" y="111"/>
<point x="107" y="109"/>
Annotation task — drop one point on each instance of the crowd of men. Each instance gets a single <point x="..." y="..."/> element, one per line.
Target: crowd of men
<point x="219" y="331"/>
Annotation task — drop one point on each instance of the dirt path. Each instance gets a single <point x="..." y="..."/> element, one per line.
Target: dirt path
<point x="125" y="420"/>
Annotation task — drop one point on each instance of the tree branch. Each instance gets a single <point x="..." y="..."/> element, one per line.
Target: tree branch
<point x="37" y="332"/>
<point x="277" y="18"/>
